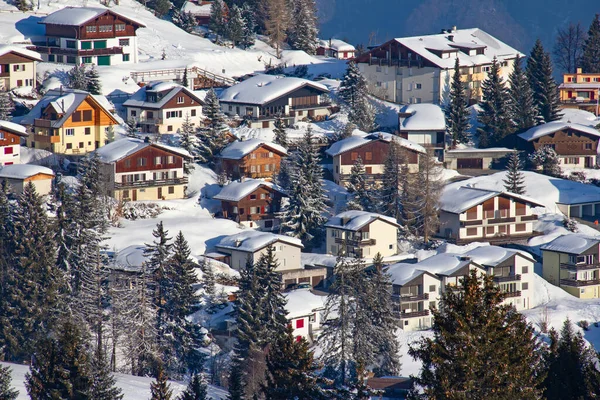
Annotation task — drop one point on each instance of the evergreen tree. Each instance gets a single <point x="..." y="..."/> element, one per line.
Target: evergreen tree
<point x="235" y="26"/>
<point x="365" y="334"/>
<point x="24" y="5"/>
<point x="186" y="21"/>
<point x="132" y="130"/>
<point x="6" y="107"/>
<point x="217" y="23"/>
<point x="493" y="118"/>
<point x="196" y="389"/>
<point x="303" y="26"/>
<point x="546" y="158"/>
<point x="393" y="170"/>
<point x="521" y="107"/>
<point x="571" y="366"/>
<point x="456" y="111"/>
<point x="213" y="137"/>
<point x="353" y="91"/>
<point x="514" y="181"/>
<point x="249" y="32"/>
<point x="236" y="386"/>
<point x="77" y="78"/>
<point x="284" y="175"/>
<point x="6" y="391"/>
<point x="110" y="134"/>
<point x="279" y="131"/>
<point x="272" y="301"/>
<point x="188" y="141"/>
<point x="471" y="328"/>
<point x="362" y="196"/>
<point x="590" y="61"/>
<point x="291" y="371"/>
<point x="94" y="86"/>
<point x="184" y="78"/>
<point x="545" y="91"/>
<point x="6" y="267"/>
<point x="162" y="7"/>
<point x="160" y="389"/>
<point x="208" y="283"/>
<point x="103" y="386"/>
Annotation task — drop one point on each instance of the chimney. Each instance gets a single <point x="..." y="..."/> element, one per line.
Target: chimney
<point x="451" y="38"/>
<point x="147" y="139"/>
<point x="453" y="29"/>
<point x="579" y="71"/>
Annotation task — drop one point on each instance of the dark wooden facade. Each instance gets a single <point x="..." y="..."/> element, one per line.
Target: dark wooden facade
<point x="108" y="18"/>
<point x="267" y="206"/>
<point x="133" y="163"/>
<point x="393" y="53"/>
<point x="262" y="162"/>
<point x="375" y="153"/>
<point x="569" y="142"/>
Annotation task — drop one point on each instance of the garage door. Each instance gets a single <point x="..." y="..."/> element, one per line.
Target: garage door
<point x="103" y="60"/>
<point x="472" y="163"/>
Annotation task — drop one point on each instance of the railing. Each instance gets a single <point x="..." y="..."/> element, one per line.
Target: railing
<point x="46" y="139"/>
<point x="76" y="52"/>
<point x="306" y="106"/>
<point x="529" y="218"/>
<point x="412" y="314"/>
<point x="151" y="183"/>
<point x="577" y="283"/>
<point x="579" y="267"/>
<point x="502" y="220"/>
<point x="42" y="123"/>
<point x="507" y="278"/>
<point x="356" y="243"/>
<point x="412" y="297"/>
<point x="219" y="79"/>
<point x="512" y="294"/>
<point x="150" y="121"/>
<point x="395" y="62"/>
<point x="470" y="223"/>
<point x="4" y="74"/>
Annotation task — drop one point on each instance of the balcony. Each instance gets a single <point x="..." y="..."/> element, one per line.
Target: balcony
<point x="471" y="223"/>
<point x="526" y="218"/>
<point x="356" y="243"/>
<point x="151" y="183"/>
<point x="506" y="220"/>
<point x="309" y="106"/>
<point x="412" y="314"/>
<point x="578" y="267"/>
<point x="508" y="278"/>
<point x="46" y="139"/>
<point x="150" y="121"/>
<point x="76" y="52"/>
<point x="512" y="294"/>
<point x="402" y="62"/>
<point x="578" y="283"/>
<point x="410" y="297"/>
<point x="42" y="123"/>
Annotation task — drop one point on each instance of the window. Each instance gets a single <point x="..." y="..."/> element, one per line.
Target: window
<point x="520" y="209"/>
<point x="489" y="230"/>
<point x="520" y="227"/>
<point x="70" y="132"/>
<point x="471" y="231"/>
<point x="169" y="128"/>
<point x="157" y="160"/>
<point x="71" y="44"/>
<point x="8" y="150"/>
<point x="368" y="156"/>
<point x="133" y="113"/>
<point x="125" y="57"/>
<point x="525" y="270"/>
<point x="119" y="27"/>
<point x="81" y="145"/>
<point x="59" y="59"/>
<point x="588" y="146"/>
<point x="253" y="168"/>
<point x="524" y="286"/>
<point x="105" y="28"/>
<point x="141" y="162"/>
<point x="71" y="60"/>
<point x="174" y="114"/>
<point x="171" y="189"/>
<point x="123" y="42"/>
<point x="300" y="323"/>
<point x="391" y="246"/>
<point x="20" y="82"/>
<point x="69" y="146"/>
<point x="270" y="154"/>
<point x="76" y="116"/>
<point x="87" y="115"/>
<point x="88" y="131"/>
<point x="128" y="163"/>
<point x="267" y="167"/>
<point x="252" y="197"/>
<point x="86" y="60"/>
<point x="86" y="45"/>
<point x="193" y="113"/>
<point x="180" y="99"/>
<point x="472" y="213"/>
<point x="170" y="159"/>
<point x="432" y="288"/>
<point x="571" y="160"/>
<point x="417" y="86"/>
<point x="90" y="28"/>
<point x="353" y="156"/>
<point x="263" y="196"/>
<point x="51" y="58"/>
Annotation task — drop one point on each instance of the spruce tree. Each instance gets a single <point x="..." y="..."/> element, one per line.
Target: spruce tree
<point x="188" y="141"/>
<point x="236" y="386"/>
<point x="184" y="78"/>
<point x="160" y="389"/>
<point x="590" y="61"/>
<point x="514" y="181"/>
<point x="132" y="129"/>
<point x="361" y="191"/>
<point x="162" y="7"/>
<point x="196" y="389"/>
<point x="303" y="26"/>
<point x="213" y="136"/>
<point x="521" y="107"/>
<point x="217" y="23"/>
<point x="6" y="267"/>
<point x="77" y="78"/>
<point x="249" y="32"/>
<point x="456" y="111"/>
<point x="545" y="91"/>
<point x="103" y="386"/>
<point x="365" y="334"/>
<point x="279" y="131"/>
<point x="110" y="134"/>
<point x="208" y="283"/>
<point x="94" y="86"/>
<point x="235" y="26"/>
<point x="6" y="107"/>
<point x="546" y="158"/>
<point x="472" y="327"/>
<point x="393" y="169"/>
<point x="354" y="92"/>
<point x="272" y="301"/>
<point x="493" y="118"/>
<point x="6" y="391"/>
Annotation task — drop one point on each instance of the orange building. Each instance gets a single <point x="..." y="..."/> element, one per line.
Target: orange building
<point x="580" y="91"/>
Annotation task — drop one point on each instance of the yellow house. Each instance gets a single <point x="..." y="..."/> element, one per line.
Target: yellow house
<point x="17" y="67"/>
<point x="68" y="121"/>
<point x="580" y="91"/>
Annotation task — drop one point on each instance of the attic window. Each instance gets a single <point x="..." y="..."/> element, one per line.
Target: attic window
<point x="90" y="28"/>
<point x="105" y="28"/>
<point x="119" y="27"/>
<point x="76" y="117"/>
<point x="180" y="100"/>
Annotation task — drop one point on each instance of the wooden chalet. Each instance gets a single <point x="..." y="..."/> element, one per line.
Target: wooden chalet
<point x="252" y="158"/>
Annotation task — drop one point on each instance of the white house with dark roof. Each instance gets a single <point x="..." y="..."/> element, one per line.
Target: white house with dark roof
<point x="251" y="158"/>
<point x="572" y="263"/>
<point x="260" y="98"/>
<point x="424" y="124"/>
<point x="469" y="214"/>
<point x="162" y="107"/>
<point x="419" y="69"/>
<point x="17" y="67"/>
<point x="360" y="233"/>
<point x="336" y="48"/>
<point x="19" y="175"/>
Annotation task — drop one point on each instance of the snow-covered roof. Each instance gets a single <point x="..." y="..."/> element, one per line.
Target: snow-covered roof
<point x="425" y="117"/>
<point x="235" y="191"/>
<point x="5" y="49"/>
<point x="252" y="241"/>
<point x="555" y="126"/>
<point x="23" y="171"/>
<point x="491" y="256"/>
<point x="336" y="44"/>
<point x="76" y="16"/>
<point x="130" y="258"/>
<point x="360" y="138"/>
<point x="571" y="244"/>
<point x="13" y="128"/>
<point x="261" y="88"/>
<point x="452" y="41"/>
<point x="122" y="148"/>
<point x="240" y="149"/>
<point x="440" y="264"/>
<point x="459" y="199"/>
<point x="167" y="91"/>
<point x="354" y="220"/>
<point x="303" y="302"/>
<point x="199" y="10"/>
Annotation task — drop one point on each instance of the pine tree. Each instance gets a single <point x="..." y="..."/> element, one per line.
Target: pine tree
<point x="303" y="26"/>
<point x="456" y="111"/>
<point x="24" y="5"/>
<point x="6" y="267"/>
<point x="185" y="21"/>
<point x="590" y="61"/>
<point x="94" y="86"/>
<point x="6" y="391"/>
<point x="213" y="137"/>
<point x="188" y="141"/>
<point x="249" y="33"/>
<point x="6" y="107"/>
<point x="162" y="7"/>
<point x="208" y="283"/>
<point x="546" y="158"/>
<point x="160" y="389"/>
<point x="110" y="134"/>
<point x="235" y="26"/>
<point x="184" y="78"/>
<point x="545" y="91"/>
<point x="362" y="196"/>
<point x="272" y="301"/>
<point x="196" y="389"/>
<point x="365" y="334"/>
<point x="132" y="130"/>
<point x="514" y="181"/>
<point x="77" y="78"/>
<point x="279" y="131"/>
<point x="236" y="387"/>
<point x="276" y="21"/>
<point x="571" y="366"/>
<point x="521" y="107"/>
<point x="390" y="190"/>
<point x="493" y="118"/>
<point x="353" y="91"/>
<point x="470" y="328"/>
<point x="103" y="386"/>
<point x="217" y="23"/>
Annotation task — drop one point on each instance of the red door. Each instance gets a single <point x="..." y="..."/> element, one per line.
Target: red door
<point x="570" y="94"/>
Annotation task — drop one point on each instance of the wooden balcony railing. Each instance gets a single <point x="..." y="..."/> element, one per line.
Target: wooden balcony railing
<point x="507" y="278"/>
<point x="579" y="267"/>
<point x="578" y="283"/>
<point x="410" y="297"/>
<point x="507" y="220"/>
<point x="76" y="52"/>
<point x="356" y="243"/>
<point x="42" y="123"/>
<point x="412" y="314"/>
<point x="512" y="294"/>
<point x="151" y="183"/>
<point x="525" y="218"/>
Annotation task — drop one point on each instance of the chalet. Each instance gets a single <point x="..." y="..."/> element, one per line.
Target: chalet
<point x="253" y="203"/>
<point x="248" y="245"/>
<point x="470" y="214"/>
<point x="304" y="313"/>
<point x="162" y="107"/>
<point x="580" y="91"/>
<point x="134" y="169"/>
<point x="336" y="48"/>
<point x="89" y="35"/>
<point x="10" y="142"/>
<point x="201" y="9"/>
<point x="575" y="144"/>
<point x="17" y="68"/>
<point x="19" y="175"/>
<point x="424" y="124"/>
<point x="417" y="69"/>
<point x="416" y="287"/>
<point x="372" y="149"/>
<point x="363" y="234"/>
<point x="252" y="158"/>
<point x="476" y="158"/>
<point x="68" y="121"/>
<point x="572" y="263"/>
<point x="261" y="98"/>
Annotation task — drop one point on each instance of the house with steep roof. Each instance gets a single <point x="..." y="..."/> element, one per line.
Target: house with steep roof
<point x="336" y="48"/>
<point x="424" y="124"/>
<point x="305" y="313"/>
<point x="68" y="121"/>
<point x="162" y="107"/>
<point x="201" y="9"/>
<point x="470" y="214"/>
<point x="372" y="149"/>
<point x="418" y="69"/>
<point x="17" y="67"/>
<point x="251" y="158"/>
<point x="253" y="203"/>
<point x="362" y="234"/>
<point x="580" y="90"/>
<point x="20" y="175"/>
<point x="10" y="142"/>
<point x="261" y="98"/>
<point x="89" y="35"/>
<point x="572" y="263"/>
<point x="134" y="169"/>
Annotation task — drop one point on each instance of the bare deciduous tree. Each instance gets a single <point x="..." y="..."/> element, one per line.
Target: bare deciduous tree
<point x="568" y="47"/>
<point x="277" y="22"/>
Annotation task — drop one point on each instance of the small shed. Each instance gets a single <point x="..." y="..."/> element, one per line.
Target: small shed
<point x="19" y="175"/>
